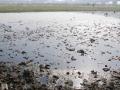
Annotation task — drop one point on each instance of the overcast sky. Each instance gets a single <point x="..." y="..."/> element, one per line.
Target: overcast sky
<point x="54" y="1"/>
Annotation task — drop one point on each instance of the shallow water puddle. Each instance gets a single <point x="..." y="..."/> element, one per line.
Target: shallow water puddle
<point x="67" y="41"/>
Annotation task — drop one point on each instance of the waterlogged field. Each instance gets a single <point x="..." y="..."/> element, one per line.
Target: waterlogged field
<point x="56" y="7"/>
<point x="75" y="46"/>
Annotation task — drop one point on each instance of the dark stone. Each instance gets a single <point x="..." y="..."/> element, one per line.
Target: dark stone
<point x="73" y="58"/>
<point x="92" y="40"/>
<point x="106" y="69"/>
<point x="79" y="73"/>
<point x="47" y="66"/>
<point x="70" y="48"/>
<point x="56" y="77"/>
<point x="22" y="64"/>
<point x="105" y="65"/>
<point x="93" y="72"/>
<point x="26" y="58"/>
<point x="82" y="52"/>
<point x="67" y="73"/>
<point x="23" y="52"/>
<point x="1" y="50"/>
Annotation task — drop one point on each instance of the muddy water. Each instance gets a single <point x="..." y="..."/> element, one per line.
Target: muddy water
<point x="67" y="41"/>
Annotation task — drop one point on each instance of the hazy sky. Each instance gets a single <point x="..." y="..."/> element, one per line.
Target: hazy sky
<point x="53" y="1"/>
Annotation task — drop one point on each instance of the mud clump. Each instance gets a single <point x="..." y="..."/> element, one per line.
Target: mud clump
<point x="70" y="48"/>
<point x="1" y="50"/>
<point x="73" y="58"/>
<point x="82" y="52"/>
<point x="23" y="52"/>
<point x="92" y="40"/>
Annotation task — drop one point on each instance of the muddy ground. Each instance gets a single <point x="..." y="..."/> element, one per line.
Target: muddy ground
<point x="61" y="50"/>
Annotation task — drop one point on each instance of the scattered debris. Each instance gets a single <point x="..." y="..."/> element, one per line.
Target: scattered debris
<point x="49" y="45"/>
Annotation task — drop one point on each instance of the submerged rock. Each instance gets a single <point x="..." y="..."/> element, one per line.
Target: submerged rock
<point x="82" y="52"/>
<point x="56" y="77"/>
<point x="23" y="52"/>
<point x="106" y="69"/>
<point x="22" y="64"/>
<point x="69" y="83"/>
<point x="1" y="50"/>
<point x="92" y="40"/>
<point x="67" y="73"/>
<point x="70" y="48"/>
<point x="73" y="58"/>
<point x="47" y="66"/>
<point x="79" y="73"/>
